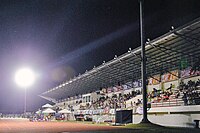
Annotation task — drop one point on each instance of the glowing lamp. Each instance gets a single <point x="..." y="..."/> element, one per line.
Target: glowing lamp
<point x="24" y="77"/>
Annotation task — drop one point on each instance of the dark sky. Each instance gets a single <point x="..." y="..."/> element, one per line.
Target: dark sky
<point x="62" y="38"/>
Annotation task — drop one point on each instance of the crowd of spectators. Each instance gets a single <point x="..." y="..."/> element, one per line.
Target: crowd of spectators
<point x="191" y="95"/>
<point x="158" y="95"/>
<point x="191" y="85"/>
<point x="188" y="92"/>
<point x="110" y="102"/>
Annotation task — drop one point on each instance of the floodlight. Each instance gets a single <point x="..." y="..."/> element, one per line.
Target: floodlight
<point x="24" y="77"/>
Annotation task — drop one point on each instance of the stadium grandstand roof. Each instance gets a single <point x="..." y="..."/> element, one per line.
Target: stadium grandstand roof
<point x="163" y="54"/>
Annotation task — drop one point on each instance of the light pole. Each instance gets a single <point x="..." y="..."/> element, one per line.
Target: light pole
<point x="24" y="78"/>
<point x="25" y="101"/>
<point x="115" y="108"/>
<point x="143" y="63"/>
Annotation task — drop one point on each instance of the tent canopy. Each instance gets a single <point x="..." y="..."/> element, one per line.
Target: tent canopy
<point x="65" y="111"/>
<point x="48" y="111"/>
<point x="38" y="112"/>
<point x="47" y="106"/>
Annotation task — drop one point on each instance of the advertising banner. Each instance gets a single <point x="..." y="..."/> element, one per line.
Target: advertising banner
<point x="154" y="81"/>
<point x="189" y="72"/>
<point x="119" y="87"/>
<point x="137" y="83"/>
<point x="125" y="87"/>
<point x="106" y="110"/>
<point x="169" y="76"/>
<point x="110" y="89"/>
<point x="129" y="85"/>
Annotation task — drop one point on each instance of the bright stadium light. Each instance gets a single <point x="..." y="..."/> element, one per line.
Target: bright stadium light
<point x="24" y="78"/>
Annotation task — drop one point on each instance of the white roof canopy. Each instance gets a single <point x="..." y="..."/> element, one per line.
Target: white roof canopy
<point x="163" y="54"/>
<point x="48" y="111"/>
<point x="65" y="111"/>
<point x="47" y="106"/>
<point x="38" y="112"/>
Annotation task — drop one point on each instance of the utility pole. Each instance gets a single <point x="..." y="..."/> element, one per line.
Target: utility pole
<point x="143" y="64"/>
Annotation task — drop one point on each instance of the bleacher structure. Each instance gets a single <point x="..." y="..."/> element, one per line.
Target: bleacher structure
<point x="169" y="54"/>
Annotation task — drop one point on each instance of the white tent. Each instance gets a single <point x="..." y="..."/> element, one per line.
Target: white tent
<point x="65" y="111"/>
<point x="47" y="106"/>
<point x="38" y="112"/>
<point x="48" y="110"/>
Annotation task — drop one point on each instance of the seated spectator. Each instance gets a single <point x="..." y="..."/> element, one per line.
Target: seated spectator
<point x="185" y="98"/>
<point x="177" y="94"/>
<point x="170" y="87"/>
<point x="154" y="93"/>
<point x="198" y="83"/>
<point x="165" y="97"/>
<point x="138" y="102"/>
<point x="181" y="86"/>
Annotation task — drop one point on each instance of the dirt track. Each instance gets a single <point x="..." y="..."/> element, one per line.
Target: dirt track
<point x="24" y="126"/>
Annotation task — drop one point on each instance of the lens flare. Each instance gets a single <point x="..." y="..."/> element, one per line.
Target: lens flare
<point x="24" y="77"/>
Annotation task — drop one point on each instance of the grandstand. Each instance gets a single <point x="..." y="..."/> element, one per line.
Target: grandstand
<point x="173" y="72"/>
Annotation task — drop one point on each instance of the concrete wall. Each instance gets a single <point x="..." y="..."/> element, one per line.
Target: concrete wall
<point x="174" y="120"/>
<point x="192" y="78"/>
<point x="181" y="116"/>
<point x="150" y="87"/>
<point x="175" y="83"/>
<point x="128" y="91"/>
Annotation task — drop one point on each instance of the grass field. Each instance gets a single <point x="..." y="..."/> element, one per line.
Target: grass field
<point x="152" y="128"/>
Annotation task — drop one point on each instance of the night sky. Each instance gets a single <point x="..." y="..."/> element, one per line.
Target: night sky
<point x="59" y="39"/>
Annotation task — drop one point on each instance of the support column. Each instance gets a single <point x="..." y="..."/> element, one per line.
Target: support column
<point x="143" y="64"/>
<point x="25" y="102"/>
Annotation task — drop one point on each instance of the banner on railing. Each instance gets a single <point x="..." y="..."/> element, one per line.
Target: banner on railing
<point x="110" y="89"/>
<point x="137" y="83"/>
<point x="107" y="110"/>
<point x="125" y="87"/>
<point x="173" y="75"/>
<point x="189" y="72"/>
<point x="117" y="88"/>
<point x="155" y="80"/>
<point x="112" y="111"/>
<point x="128" y="85"/>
